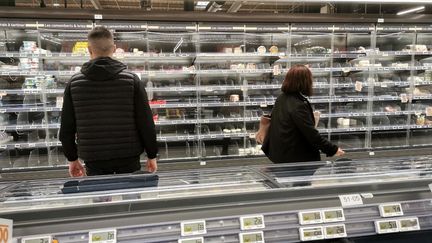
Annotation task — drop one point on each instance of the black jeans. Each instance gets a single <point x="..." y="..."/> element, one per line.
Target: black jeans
<point x="113" y="166"/>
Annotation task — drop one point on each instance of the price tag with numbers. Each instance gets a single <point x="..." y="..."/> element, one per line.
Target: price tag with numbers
<point x="311" y="233"/>
<point x="386" y="226"/>
<point x="192" y="240"/>
<point x="333" y="215"/>
<point x="349" y="200"/>
<point x="38" y="239"/>
<point x="252" y="222"/>
<point x="193" y="228"/>
<point x="335" y="231"/>
<point x="103" y="236"/>
<point x="390" y="210"/>
<point x="409" y="224"/>
<point x="252" y="237"/>
<point x="310" y="217"/>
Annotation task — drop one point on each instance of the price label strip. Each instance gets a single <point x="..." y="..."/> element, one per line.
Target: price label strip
<point x="390" y="210"/>
<point x="409" y="224"/>
<point x="6" y="230"/>
<point x="252" y="237"/>
<point x="193" y="228"/>
<point x="103" y="236"/>
<point x="350" y="200"/>
<point x="310" y="217"/>
<point x="38" y="239"/>
<point x="386" y="226"/>
<point x="252" y="222"/>
<point x="333" y="215"/>
<point x="192" y="240"/>
<point x="335" y="231"/>
<point x="311" y="233"/>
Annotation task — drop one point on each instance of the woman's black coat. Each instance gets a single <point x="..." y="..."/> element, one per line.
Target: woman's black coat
<point x="292" y="136"/>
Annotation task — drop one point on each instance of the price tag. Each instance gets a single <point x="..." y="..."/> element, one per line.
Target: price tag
<point x="38" y="239"/>
<point x="310" y="217"/>
<point x="390" y="210"/>
<point x="193" y="228"/>
<point x="252" y="237"/>
<point x="32" y="145"/>
<point x="6" y="230"/>
<point x="386" y="226"/>
<point x="311" y="233"/>
<point x="192" y="240"/>
<point x="333" y="215"/>
<point x="350" y="200"/>
<point x="252" y="222"/>
<point x="98" y="16"/>
<point x="404" y="98"/>
<point x="409" y="224"/>
<point x="335" y="231"/>
<point x="19" y="127"/>
<point x="17" y="145"/>
<point x="103" y="236"/>
<point x="429" y="111"/>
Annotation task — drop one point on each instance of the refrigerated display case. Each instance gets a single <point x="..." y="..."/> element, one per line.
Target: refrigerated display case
<point x="209" y="83"/>
<point x="358" y="201"/>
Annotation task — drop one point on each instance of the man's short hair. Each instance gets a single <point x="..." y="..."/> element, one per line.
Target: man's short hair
<point x="101" y="40"/>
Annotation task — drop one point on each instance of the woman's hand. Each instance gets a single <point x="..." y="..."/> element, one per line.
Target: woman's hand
<point x="340" y="152"/>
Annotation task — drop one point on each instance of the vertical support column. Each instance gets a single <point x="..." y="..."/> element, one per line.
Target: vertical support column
<point x="411" y="90"/>
<point x="331" y="82"/>
<point x="199" y="141"/>
<point x="371" y="84"/>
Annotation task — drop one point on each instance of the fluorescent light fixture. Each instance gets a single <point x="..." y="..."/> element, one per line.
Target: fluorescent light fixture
<point x="429" y="2"/>
<point x="202" y="3"/>
<point x="411" y="10"/>
<point x="56" y="4"/>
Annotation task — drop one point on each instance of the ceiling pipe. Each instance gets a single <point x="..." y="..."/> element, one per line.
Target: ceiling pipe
<point x="96" y="4"/>
<point x="235" y="7"/>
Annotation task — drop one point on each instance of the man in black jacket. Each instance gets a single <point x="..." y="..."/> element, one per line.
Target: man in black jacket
<point x="106" y="119"/>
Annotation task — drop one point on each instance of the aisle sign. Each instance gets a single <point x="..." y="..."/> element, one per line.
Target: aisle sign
<point x="252" y="237"/>
<point x="252" y="222"/>
<point x="349" y="200"/>
<point x="193" y="228"/>
<point x="103" y="236"/>
<point x="38" y="239"/>
<point x="6" y="230"/>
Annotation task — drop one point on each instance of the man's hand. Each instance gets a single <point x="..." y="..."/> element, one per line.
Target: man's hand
<point x="340" y="153"/>
<point x="151" y="165"/>
<point x="76" y="169"/>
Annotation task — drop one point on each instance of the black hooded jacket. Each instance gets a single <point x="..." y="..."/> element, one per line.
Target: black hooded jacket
<point x="106" y="110"/>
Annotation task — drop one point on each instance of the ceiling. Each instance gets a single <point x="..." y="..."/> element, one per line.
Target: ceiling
<point x="219" y="6"/>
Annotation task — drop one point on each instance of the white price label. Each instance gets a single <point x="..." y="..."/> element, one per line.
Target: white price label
<point x="409" y="224"/>
<point x="103" y="236"/>
<point x="350" y="200"/>
<point x="311" y="233"/>
<point x="193" y="228"/>
<point x="192" y="240"/>
<point x="310" y="217"/>
<point x="38" y="239"/>
<point x="98" y="16"/>
<point x="335" y="231"/>
<point x="252" y="222"/>
<point x="390" y="210"/>
<point x="6" y="230"/>
<point x="358" y="86"/>
<point x="429" y="111"/>
<point x="333" y="215"/>
<point x="404" y="98"/>
<point x="386" y="226"/>
<point x="252" y="237"/>
<point x="32" y="145"/>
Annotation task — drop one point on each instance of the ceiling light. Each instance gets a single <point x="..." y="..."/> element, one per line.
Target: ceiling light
<point x="411" y="10"/>
<point x="348" y="1"/>
<point x="56" y="4"/>
<point x="202" y="3"/>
